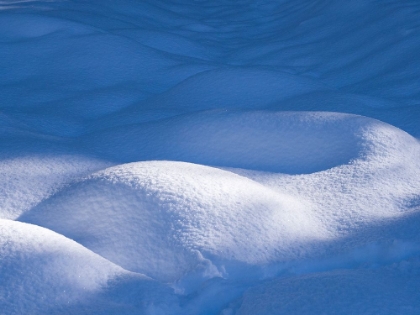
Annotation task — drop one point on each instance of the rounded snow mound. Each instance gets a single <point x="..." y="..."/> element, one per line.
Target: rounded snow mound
<point x="287" y="142"/>
<point x="167" y="219"/>
<point x="28" y="179"/>
<point x="41" y="270"/>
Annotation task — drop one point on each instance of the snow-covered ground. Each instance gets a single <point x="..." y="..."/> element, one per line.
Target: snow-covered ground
<point x="207" y="157"/>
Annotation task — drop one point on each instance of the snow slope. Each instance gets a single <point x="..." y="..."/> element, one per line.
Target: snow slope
<point x="176" y="214"/>
<point x="209" y="157"/>
<point x="43" y="272"/>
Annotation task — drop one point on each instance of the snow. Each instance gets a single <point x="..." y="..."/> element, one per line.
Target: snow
<point x="42" y="269"/>
<point x="386" y="290"/>
<point x="28" y="179"/>
<point x="209" y="157"/>
<point x="177" y="214"/>
<point x="291" y="142"/>
<point x="44" y="272"/>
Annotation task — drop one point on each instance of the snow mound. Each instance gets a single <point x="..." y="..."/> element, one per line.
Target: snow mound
<point x="167" y="219"/>
<point x="41" y="270"/>
<point x="381" y="181"/>
<point x="288" y="142"/>
<point x="282" y="212"/>
<point x="27" y="179"/>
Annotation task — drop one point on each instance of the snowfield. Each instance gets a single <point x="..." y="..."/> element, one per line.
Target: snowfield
<point x="209" y="157"/>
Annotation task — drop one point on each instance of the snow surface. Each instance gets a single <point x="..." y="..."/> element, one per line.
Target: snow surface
<point x="209" y="157"/>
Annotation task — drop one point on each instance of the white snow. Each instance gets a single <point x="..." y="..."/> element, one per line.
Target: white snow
<point x="42" y="269"/>
<point x="176" y="214"/>
<point x="209" y="157"/>
<point x="28" y="179"/>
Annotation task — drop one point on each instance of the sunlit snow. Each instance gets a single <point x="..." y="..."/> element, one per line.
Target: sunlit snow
<point x="209" y="157"/>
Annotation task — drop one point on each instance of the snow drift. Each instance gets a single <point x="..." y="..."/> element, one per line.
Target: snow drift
<point x="209" y="157"/>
